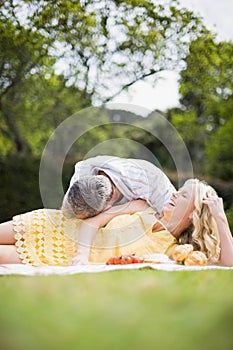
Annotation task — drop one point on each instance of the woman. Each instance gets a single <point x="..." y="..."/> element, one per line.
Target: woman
<point x="194" y="215"/>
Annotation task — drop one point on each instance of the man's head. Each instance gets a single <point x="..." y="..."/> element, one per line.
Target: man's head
<point x="88" y="196"/>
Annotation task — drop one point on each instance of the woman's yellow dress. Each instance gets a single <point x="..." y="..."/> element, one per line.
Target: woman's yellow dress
<point x="48" y="237"/>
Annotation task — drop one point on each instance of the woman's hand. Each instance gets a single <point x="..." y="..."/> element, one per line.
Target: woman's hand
<point x="79" y="260"/>
<point x="215" y="205"/>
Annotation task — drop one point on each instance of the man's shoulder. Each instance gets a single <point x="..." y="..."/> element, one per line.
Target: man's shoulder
<point x="92" y="164"/>
<point x="114" y="162"/>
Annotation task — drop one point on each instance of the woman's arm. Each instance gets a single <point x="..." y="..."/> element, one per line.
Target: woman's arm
<point x="215" y="205"/>
<point x="86" y="235"/>
<point x="90" y="226"/>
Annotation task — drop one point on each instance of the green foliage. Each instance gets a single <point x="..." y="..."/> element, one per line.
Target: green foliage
<point x="99" y="48"/>
<point x="23" y="53"/>
<point x="19" y="185"/>
<point x="206" y="82"/>
<point x="219" y="152"/>
<point x="187" y="125"/>
<point x="40" y="105"/>
<point x="205" y="120"/>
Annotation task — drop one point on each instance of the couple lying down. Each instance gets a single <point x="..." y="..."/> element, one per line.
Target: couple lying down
<point x="194" y="215"/>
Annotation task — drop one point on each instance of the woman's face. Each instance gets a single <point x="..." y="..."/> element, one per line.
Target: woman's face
<point x="178" y="212"/>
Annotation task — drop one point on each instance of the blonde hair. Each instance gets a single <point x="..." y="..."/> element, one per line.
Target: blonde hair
<point x="204" y="236"/>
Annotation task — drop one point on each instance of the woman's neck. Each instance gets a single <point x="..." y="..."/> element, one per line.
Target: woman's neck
<point x="158" y="226"/>
<point x="163" y="223"/>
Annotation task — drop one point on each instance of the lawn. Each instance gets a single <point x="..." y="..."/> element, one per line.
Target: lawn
<point x="117" y="310"/>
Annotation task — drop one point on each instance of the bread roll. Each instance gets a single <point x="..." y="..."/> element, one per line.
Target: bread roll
<point x="196" y="258"/>
<point x="181" y="252"/>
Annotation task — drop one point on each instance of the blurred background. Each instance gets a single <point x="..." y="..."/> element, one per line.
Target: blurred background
<point x="60" y="57"/>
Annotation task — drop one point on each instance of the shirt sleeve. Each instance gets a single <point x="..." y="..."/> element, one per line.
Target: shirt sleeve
<point x="146" y="181"/>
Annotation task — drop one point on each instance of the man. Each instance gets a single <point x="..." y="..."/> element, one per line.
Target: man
<point x="104" y="181"/>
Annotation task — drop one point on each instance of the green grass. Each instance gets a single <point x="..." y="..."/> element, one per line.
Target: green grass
<point x="118" y="310"/>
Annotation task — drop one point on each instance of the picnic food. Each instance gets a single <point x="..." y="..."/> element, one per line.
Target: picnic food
<point x="181" y="252"/>
<point x="189" y="257"/>
<point x="124" y="259"/>
<point x="196" y="258"/>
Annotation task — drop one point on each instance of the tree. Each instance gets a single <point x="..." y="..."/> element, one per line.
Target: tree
<point x="191" y="132"/>
<point x="129" y="39"/>
<point x="22" y="53"/>
<point x="206" y="88"/>
<point x="206" y="83"/>
<point x="100" y="47"/>
<point x="39" y="105"/>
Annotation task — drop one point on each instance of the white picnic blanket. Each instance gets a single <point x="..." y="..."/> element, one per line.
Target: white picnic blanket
<point x="162" y="262"/>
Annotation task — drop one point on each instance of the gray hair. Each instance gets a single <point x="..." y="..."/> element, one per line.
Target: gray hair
<point x="89" y="196"/>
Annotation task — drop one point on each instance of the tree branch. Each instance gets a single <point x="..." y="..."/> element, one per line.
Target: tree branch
<point x="126" y="86"/>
